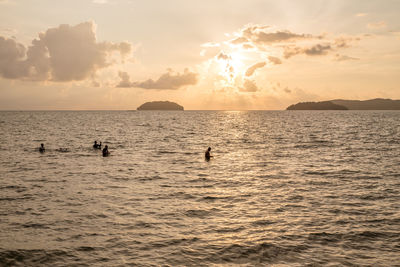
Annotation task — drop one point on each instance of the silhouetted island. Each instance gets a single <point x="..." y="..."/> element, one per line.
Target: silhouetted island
<point x="340" y="104"/>
<point x="160" y="105"/>
<point x="325" y="105"/>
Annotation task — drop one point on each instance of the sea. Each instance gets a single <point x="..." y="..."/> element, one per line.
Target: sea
<point x="284" y="188"/>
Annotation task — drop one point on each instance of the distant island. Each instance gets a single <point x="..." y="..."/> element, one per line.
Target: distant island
<point x="340" y="104"/>
<point x="324" y="105"/>
<point x="160" y="105"/>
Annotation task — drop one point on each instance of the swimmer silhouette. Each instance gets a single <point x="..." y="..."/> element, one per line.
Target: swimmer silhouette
<point x="105" y="151"/>
<point x="207" y="154"/>
<point x="41" y="148"/>
<point x="95" y="145"/>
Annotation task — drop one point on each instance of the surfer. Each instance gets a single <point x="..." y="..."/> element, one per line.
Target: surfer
<point x="105" y="151"/>
<point x="41" y="148"/>
<point x="207" y="154"/>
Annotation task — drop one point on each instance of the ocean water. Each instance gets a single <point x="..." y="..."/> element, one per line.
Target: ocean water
<point x="285" y="188"/>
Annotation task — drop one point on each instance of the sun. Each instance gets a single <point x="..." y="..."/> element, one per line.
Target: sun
<point x="231" y="66"/>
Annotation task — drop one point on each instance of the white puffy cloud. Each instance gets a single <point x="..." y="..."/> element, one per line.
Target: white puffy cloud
<point x="261" y="38"/>
<point x="64" y="53"/>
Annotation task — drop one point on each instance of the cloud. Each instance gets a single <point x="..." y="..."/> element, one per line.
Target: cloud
<point x="344" y="42"/>
<point x="361" y="14"/>
<point x="287" y="90"/>
<point x="223" y="56"/>
<point x="248" y="86"/>
<point x="125" y="79"/>
<point x="275" y="60"/>
<point x="261" y="35"/>
<point x="239" y="40"/>
<point x="167" y="81"/>
<point x="318" y="50"/>
<point x="65" y="53"/>
<point x="315" y="50"/>
<point x="339" y="57"/>
<point x="12" y="58"/>
<point x="253" y="68"/>
<point x="376" y="25"/>
<point x="264" y="39"/>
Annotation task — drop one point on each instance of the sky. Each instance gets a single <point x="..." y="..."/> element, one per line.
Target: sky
<point x="203" y="55"/>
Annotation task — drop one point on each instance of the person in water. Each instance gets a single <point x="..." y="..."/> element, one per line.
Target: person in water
<point x="105" y="151"/>
<point x="41" y="148"/>
<point x="97" y="146"/>
<point x="207" y="154"/>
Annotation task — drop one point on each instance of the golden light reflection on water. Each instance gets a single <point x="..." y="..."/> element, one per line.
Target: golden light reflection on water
<point x="274" y="192"/>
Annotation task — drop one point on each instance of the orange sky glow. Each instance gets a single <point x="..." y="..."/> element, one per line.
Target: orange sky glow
<point x="218" y="55"/>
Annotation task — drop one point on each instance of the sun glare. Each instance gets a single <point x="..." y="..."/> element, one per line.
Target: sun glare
<point x="232" y="66"/>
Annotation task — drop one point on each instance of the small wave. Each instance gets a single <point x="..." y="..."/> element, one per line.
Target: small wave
<point x="295" y="198"/>
<point x="34" y="257"/>
<point x="214" y="198"/>
<point x="255" y="254"/>
<point x="262" y="222"/>
<point x="170" y="243"/>
<point x="150" y="178"/>
<point x="316" y="173"/>
<point x="181" y="195"/>
<point x="166" y="152"/>
<point x="229" y="230"/>
<point x="35" y="225"/>
<point x="197" y="213"/>
<point x="18" y="189"/>
<point x="86" y="248"/>
<point x="372" y="197"/>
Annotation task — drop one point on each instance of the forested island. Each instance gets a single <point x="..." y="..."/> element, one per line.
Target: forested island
<point x="160" y="105"/>
<point x="340" y="104"/>
<point x="324" y="105"/>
